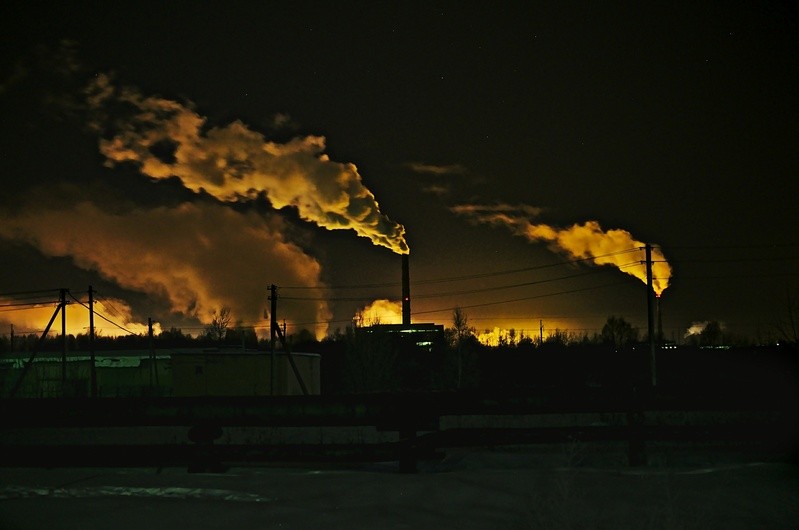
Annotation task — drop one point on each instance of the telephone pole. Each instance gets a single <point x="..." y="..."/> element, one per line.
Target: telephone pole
<point x="62" y="302"/>
<point x="281" y="334"/>
<point x="541" y="332"/>
<point x="272" y="333"/>
<point x="650" y="305"/>
<point x="91" y="344"/>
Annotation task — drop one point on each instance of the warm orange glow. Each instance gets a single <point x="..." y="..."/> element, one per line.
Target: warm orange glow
<point x="616" y="247"/>
<point x="196" y="257"/>
<point x="234" y="162"/>
<point x="381" y="311"/>
<point x="34" y="320"/>
<point x="491" y="337"/>
<point x="522" y="329"/>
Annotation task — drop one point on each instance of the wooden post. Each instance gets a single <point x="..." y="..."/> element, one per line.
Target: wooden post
<point x="63" y="304"/>
<point x="91" y="344"/>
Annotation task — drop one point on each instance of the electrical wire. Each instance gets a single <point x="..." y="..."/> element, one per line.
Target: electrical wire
<point x="462" y="278"/>
<point x="468" y="291"/>
<point x="102" y="316"/>
<point x="23" y="306"/>
<point x="513" y="300"/>
<point x="18" y="293"/>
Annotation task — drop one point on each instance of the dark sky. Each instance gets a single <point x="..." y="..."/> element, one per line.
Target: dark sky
<point x="676" y="122"/>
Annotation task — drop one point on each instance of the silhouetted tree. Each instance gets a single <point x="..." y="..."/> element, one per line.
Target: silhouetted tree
<point x="241" y="336"/>
<point x="461" y="335"/>
<point x="618" y="333"/>
<point x="370" y="361"/>
<point x="302" y="340"/>
<point x="712" y="335"/>
<point x="217" y="329"/>
<point x="512" y="337"/>
<point x="558" y="337"/>
<point x="787" y="326"/>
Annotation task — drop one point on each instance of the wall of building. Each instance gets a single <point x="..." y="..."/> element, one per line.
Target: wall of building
<point x="194" y="373"/>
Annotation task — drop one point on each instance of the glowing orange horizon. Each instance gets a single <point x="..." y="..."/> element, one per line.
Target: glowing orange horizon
<point x="33" y="320"/>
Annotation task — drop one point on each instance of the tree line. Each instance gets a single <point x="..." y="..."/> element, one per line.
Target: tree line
<point x="353" y="360"/>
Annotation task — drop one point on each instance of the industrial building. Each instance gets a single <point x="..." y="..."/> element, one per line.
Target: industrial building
<point x="181" y="372"/>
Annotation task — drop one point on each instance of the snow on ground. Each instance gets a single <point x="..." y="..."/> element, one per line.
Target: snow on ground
<point x="508" y="488"/>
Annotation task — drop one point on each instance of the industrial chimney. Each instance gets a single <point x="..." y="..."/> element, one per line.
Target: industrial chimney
<point x="406" y="292"/>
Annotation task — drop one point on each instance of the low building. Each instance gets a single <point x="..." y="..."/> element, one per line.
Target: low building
<point x="423" y="336"/>
<point x="138" y="373"/>
<point x="244" y="373"/>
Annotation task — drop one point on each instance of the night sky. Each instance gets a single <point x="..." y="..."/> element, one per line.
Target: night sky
<point x="181" y="157"/>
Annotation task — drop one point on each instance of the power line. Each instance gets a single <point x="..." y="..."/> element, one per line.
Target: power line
<point x="740" y="260"/>
<point x="513" y="300"/>
<point x="103" y="317"/>
<point x="461" y="278"/>
<point x="484" y="304"/>
<point x="19" y="293"/>
<point x="463" y="292"/>
<point x="502" y="287"/>
<point x="718" y="247"/>
<point x="23" y="306"/>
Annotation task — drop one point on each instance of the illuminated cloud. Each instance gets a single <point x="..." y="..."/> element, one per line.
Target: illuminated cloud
<point x="439" y="173"/>
<point x="696" y="328"/>
<point x="497" y="208"/>
<point x="433" y="169"/>
<point x="168" y="139"/>
<point x="282" y="120"/>
<point x="380" y="311"/>
<point x="614" y="247"/>
<point x="199" y="257"/>
<point x="437" y="189"/>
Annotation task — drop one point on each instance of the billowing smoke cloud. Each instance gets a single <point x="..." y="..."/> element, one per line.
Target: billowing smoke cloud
<point x="695" y="328"/>
<point x="381" y="311"/>
<point x="615" y="247"/>
<point x="700" y="327"/>
<point x="199" y="257"/>
<point x="168" y="139"/>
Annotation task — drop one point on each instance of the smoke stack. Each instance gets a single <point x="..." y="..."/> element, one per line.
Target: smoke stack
<point x="406" y="292"/>
<point x="660" y="321"/>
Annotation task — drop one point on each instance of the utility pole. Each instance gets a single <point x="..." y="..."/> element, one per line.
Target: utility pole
<point x="151" y="352"/>
<point x="63" y="304"/>
<point x="541" y="332"/>
<point x="650" y="305"/>
<point x="276" y="330"/>
<point x="91" y="344"/>
<point x="272" y="333"/>
<point x="39" y="344"/>
<point x="12" y="339"/>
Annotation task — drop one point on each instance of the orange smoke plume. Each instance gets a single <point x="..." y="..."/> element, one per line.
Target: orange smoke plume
<point x="381" y="311"/>
<point x="198" y="257"/>
<point x="168" y="139"/>
<point x="614" y="247"/>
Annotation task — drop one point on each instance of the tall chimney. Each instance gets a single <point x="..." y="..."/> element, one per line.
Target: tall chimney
<point x="406" y="292"/>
